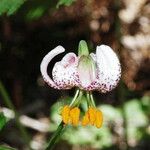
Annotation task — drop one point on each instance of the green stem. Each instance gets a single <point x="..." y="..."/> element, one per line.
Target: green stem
<point x="10" y="105"/>
<point x="61" y="127"/>
<point x="56" y="136"/>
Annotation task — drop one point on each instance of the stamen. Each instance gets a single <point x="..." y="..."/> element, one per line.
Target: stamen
<point x="74" y="116"/>
<point x="99" y="119"/>
<point x="93" y="117"/>
<point x="70" y="115"/>
<point x="65" y="114"/>
<point x="92" y="114"/>
<point x="85" y="120"/>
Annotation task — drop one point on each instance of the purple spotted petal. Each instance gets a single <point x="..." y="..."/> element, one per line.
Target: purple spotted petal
<point x="65" y="72"/>
<point x="44" y="64"/>
<point x="109" y="70"/>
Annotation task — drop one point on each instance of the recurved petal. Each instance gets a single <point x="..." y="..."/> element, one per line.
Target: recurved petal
<point x="65" y="72"/>
<point x="109" y="69"/>
<point x="44" y="64"/>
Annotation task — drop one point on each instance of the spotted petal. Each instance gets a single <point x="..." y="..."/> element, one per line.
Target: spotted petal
<point x="65" y="72"/>
<point x="44" y="64"/>
<point x="109" y="70"/>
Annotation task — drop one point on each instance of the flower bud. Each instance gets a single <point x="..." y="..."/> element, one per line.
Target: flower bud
<point x="83" y="48"/>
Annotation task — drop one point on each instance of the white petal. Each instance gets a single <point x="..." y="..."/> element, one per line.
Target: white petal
<point x="65" y="72"/>
<point x="86" y="71"/>
<point x="109" y="70"/>
<point x="44" y="64"/>
<point x="93" y="56"/>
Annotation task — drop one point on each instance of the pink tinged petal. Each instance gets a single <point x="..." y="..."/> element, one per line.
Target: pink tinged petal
<point x="44" y="65"/>
<point x="65" y="72"/>
<point x="86" y="72"/>
<point x="69" y="59"/>
<point x="109" y="70"/>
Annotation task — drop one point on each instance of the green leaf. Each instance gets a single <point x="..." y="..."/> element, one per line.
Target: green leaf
<point x="35" y="13"/>
<point x="136" y="119"/>
<point x="10" y="6"/>
<point x="111" y="113"/>
<point x="6" y="148"/>
<point x="146" y="105"/>
<point x="64" y="2"/>
<point x="3" y="120"/>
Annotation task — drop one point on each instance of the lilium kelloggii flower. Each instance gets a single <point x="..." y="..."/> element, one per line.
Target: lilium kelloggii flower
<point x="98" y="71"/>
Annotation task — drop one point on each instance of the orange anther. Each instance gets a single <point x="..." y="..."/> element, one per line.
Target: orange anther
<point x="92" y="115"/>
<point x="99" y="119"/>
<point x="85" y="120"/>
<point x="74" y="116"/>
<point x="65" y="114"/>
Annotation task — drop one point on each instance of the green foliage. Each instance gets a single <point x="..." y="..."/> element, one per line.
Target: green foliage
<point x="136" y="112"/>
<point x="65" y="2"/>
<point x="136" y="119"/>
<point x="56" y="109"/>
<point x="3" y="120"/>
<point x="6" y="148"/>
<point x="35" y="13"/>
<point x="9" y="7"/>
<point x="35" y="8"/>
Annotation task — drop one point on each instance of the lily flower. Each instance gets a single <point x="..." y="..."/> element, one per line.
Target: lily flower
<point x="98" y="71"/>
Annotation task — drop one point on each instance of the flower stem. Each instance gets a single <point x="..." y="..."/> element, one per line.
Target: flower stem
<point x="62" y="126"/>
<point x="56" y="136"/>
<point x="10" y="105"/>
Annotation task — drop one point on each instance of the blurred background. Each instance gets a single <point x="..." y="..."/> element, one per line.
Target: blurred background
<point x="29" y="29"/>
